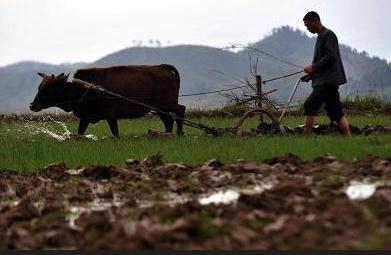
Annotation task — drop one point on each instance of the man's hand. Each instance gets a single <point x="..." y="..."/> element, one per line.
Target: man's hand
<point x="306" y="78"/>
<point x="309" y="70"/>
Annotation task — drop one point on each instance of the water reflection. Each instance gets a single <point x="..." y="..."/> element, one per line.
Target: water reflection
<point x="360" y="190"/>
<point x="232" y="195"/>
<point x="221" y="197"/>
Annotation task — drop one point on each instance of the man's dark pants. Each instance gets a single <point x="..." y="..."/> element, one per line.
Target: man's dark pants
<point x="327" y="94"/>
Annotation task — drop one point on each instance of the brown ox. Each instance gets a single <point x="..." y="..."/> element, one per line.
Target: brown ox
<point x="157" y="86"/>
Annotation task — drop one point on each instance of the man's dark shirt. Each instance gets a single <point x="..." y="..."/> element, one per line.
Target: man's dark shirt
<point x="327" y="63"/>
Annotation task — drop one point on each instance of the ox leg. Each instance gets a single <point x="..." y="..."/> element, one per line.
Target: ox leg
<point x="113" y="124"/>
<point x="167" y="121"/>
<point x="83" y="124"/>
<point x="180" y="112"/>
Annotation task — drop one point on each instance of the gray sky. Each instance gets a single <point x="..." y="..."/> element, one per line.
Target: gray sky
<point x="57" y="31"/>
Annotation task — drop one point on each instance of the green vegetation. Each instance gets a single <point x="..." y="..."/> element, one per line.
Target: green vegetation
<point x="22" y="150"/>
<point x="374" y="104"/>
<point x="369" y="106"/>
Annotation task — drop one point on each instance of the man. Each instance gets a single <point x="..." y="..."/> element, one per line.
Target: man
<point x="327" y="74"/>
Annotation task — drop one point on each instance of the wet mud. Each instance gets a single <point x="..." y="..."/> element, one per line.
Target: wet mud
<point x="281" y="203"/>
<point x="277" y="129"/>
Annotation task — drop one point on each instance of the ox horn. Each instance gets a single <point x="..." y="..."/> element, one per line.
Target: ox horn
<point x="42" y="74"/>
<point x="60" y="75"/>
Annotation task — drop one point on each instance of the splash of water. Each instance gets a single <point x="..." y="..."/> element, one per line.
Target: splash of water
<point x="49" y="127"/>
<point x="61" y="133"/>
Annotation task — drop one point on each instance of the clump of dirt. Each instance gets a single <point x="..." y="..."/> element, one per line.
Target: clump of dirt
<point x="375" y="129"/>
<point x="282" y="203"/>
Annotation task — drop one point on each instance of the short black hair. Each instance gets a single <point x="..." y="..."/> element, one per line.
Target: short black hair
<point x="312" y="16"/>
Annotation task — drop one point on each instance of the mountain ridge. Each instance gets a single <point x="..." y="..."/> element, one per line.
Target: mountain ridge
<point x="206" y="68"/>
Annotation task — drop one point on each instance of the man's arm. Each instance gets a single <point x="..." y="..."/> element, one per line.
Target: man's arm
<point x="330" y="55"/>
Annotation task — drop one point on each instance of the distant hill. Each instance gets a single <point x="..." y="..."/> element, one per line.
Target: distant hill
<point x="207" y="68"/>
<point x="19" y="83"/>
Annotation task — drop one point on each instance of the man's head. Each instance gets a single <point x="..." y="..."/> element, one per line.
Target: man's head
<point x="312" y="22"/>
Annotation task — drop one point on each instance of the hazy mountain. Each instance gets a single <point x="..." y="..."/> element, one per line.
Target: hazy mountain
<point x="296" y="47"/>
<point x="19" y="82"/>
<point x="207" y="68"/>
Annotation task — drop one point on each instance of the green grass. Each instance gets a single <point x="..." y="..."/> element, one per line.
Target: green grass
<point x="21" y="150"/>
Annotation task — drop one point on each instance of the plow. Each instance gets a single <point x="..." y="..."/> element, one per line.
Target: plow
<point x="272" y="124"/>
<point x="269" y="124"/>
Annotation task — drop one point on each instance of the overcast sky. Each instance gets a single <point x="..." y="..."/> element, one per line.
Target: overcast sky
<point x="57" y="31"/>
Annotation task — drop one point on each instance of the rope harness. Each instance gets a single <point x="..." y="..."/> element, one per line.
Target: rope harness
<point x="209" y="130"/>
<point x="240" y="87"/>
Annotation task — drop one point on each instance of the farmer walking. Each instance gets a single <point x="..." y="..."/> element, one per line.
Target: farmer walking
<point x="327" y="74"/>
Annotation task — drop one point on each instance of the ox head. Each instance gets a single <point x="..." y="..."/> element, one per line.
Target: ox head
<point x="50" y="91"/>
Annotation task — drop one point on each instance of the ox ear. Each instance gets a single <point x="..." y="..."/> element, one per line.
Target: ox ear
<point x="62" y="77"/>
<point x="42" y="74"/>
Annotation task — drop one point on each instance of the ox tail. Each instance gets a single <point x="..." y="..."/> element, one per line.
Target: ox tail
<point x="174" y="71"/>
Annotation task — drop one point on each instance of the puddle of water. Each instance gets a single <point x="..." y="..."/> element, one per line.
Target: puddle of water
<point x="75" y="171"/>
<point x="11" y="202"/>
<point x="314" y="126"/>
<point x="73" y="215"/>
<point x="232" y="195"/>
<point x="92" y="137"/>
<point x="9" y="197"/>
<point x="360" y="190"/>
<point x="94" y="206"/>
<point x="145" y="204"/>
<point x="221" y="197"/>
<point x="15" y="202"/>
<point x="39" y="205"/>
<point x="218" y="197"/>
<point x="173" y="199"/>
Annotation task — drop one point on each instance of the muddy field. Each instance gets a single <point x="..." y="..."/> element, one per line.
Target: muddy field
<point x="283" y="203"/>
<point x="324" y="129"/>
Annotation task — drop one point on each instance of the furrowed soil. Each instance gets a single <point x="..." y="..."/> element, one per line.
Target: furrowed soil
<point x="282" y="203"/>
